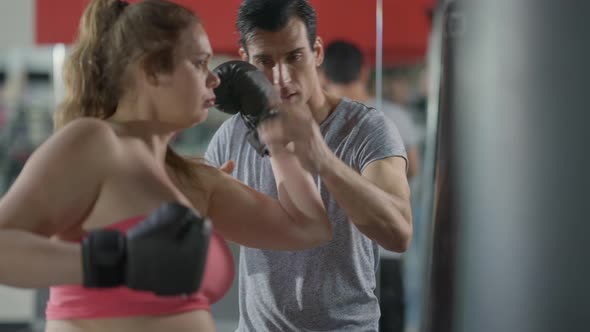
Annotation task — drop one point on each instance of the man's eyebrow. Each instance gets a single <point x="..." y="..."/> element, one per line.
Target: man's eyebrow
<point x="297" y="50"/>
<point x="261" y="56"/>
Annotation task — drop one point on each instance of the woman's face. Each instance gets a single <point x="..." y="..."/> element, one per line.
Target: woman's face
<point x="184" y="95"/>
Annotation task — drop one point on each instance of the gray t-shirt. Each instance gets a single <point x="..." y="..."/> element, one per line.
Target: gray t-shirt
<point x="328" y="288"/>
<point x="409" y="134"/>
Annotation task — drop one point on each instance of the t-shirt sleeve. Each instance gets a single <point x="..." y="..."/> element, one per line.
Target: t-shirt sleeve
<point x="377" y="138"/>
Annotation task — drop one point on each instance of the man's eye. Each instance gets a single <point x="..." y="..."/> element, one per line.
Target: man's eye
<point x="265" y="62"/>
<point x="296" y="57"/>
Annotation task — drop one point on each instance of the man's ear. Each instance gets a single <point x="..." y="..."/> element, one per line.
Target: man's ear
<point x="243" y="54"/>
<point x="318" y="50"/>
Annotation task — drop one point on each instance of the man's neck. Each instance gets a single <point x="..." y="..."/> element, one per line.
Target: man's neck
<point x="322" y="104"/>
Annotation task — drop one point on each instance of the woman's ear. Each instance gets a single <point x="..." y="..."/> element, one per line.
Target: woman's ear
<point x="152" y="78"/>
<point x="147" y="73"/>
<point x="153" y="74"/>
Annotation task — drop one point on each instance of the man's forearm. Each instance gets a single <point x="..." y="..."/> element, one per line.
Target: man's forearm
<point x="379" y="215"/>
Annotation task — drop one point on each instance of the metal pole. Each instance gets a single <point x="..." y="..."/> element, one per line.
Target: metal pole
<point x="59" y="56"/>
<point x="379" y="56"/>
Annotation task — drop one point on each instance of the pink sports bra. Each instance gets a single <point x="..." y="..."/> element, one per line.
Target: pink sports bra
<point x="77" y="302"/>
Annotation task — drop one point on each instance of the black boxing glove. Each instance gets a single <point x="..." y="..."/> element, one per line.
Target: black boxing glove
<point x="165" y="254"/>
<point x="245" y="90"/>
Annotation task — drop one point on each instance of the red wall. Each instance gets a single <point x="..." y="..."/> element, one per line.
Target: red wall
<point x="405" y="31"/>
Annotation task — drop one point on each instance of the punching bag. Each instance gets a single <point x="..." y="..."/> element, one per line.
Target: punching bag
<point x="511" y="209"/>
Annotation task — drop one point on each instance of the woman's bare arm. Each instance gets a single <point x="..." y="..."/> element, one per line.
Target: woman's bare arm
<point x="56" y="189"/>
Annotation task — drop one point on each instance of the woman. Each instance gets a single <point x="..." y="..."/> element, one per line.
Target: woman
<point x="137" y="75"/>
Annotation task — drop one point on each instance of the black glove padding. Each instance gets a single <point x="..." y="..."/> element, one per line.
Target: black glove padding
<point x="165" y="254"/>
<point x="245" y="90"/>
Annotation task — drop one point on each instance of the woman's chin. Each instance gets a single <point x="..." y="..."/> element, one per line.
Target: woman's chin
<point x="199" y="116"/>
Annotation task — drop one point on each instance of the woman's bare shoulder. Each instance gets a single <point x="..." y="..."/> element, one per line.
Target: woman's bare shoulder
<point x="86" y="130"/>
<point x="86" y="137"/>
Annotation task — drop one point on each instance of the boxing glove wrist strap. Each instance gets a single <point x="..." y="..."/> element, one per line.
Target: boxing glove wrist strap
<point x="104" y="258"/>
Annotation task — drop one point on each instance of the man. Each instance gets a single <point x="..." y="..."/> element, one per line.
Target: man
<point x="360" y="166"/>
<point x="345" y="73"/>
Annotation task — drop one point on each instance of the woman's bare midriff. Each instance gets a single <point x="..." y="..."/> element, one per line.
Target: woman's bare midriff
<point x="193" y="321"/>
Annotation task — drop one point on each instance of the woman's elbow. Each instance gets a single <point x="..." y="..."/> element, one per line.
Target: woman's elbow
<point x="326" y="234"/>
<point x="320" y="235"/>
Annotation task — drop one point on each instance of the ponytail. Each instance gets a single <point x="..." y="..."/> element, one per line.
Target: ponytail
<point x="88" y="90"/>
<point x="113" y="34"/>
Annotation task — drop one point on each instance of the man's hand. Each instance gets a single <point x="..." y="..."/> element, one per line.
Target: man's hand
<point x="295" y="130"/>
<point x="228" y="167"/>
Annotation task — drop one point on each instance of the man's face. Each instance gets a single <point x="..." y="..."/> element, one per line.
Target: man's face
<point x="288" y="60"/>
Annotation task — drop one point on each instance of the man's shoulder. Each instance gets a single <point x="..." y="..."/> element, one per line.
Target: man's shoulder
<point x="354" y="121"/>
<point x="354" y="112"/>
<point x="231" y="126"/>
<point x="221" y="142"/>
<point x="231" y="122"/>
<point x="355" y="105"/>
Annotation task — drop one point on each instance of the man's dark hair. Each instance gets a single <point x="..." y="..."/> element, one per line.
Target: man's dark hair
<point x="343" y="62"/>
<point x="273" y="15"/>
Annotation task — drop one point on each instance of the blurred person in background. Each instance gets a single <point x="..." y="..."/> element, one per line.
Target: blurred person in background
<point x="346" y="73"/>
